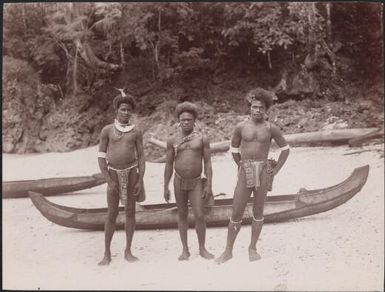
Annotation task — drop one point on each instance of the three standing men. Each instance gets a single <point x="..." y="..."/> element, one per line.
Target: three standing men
<point x="121" y="160"/>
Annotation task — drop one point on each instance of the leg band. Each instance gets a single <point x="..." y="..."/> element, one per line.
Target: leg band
<point x="240" y="221"/>
<point x="258" y="220"/>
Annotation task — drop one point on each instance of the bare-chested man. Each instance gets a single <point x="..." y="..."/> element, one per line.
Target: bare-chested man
<point x="122" y="163"/>
<point x="187" y="149"/>
<point x="250" y="146"/>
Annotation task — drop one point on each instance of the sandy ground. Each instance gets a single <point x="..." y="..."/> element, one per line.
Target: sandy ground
<point x="339" y="250"/>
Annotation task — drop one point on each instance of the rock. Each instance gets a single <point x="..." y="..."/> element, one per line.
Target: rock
<point x="8" y="147"/>
<point x="334" y="122"/>
<point x="365" y="104"/>
<point x="40" y="146"/>
<point x="43" y="134"/>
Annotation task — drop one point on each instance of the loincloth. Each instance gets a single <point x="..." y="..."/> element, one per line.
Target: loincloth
<point x="253" y="170"/>
<point x="258" y="173"/>
<point x="123" y="176"/>
<point x="187" y="184"/>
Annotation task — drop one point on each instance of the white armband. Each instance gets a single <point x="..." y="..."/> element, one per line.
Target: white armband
<point x="287" y="147"/>
<point x="234" y="150"/>
<point x="102" y="155"/>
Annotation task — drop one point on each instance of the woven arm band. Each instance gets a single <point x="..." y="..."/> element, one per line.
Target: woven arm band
<point x="102" y="155"/>
<point x="234" y="149"/>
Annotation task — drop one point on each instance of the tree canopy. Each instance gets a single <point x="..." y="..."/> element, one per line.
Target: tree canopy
<point x="79" y="46"/>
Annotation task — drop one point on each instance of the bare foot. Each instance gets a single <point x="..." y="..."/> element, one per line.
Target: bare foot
<point x="184" y="256"/>
<point x="205" y="254"/>
<point x="105" y="261"/>
<point x="253" y="255"/>
<point x="130" y="257"/>
<point x="225" y="256"/>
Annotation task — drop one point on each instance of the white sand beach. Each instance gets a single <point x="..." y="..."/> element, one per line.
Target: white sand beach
<point x="339" y="250"/>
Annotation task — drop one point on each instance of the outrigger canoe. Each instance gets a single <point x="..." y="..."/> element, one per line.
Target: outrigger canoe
<point x="50" y="186"/>
<point x="159" y="216"/>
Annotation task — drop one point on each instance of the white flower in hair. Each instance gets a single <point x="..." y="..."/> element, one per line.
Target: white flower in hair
<point x="121" y="90"/>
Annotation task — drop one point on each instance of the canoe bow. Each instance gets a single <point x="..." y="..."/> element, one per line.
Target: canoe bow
<point x="50" y="186"/>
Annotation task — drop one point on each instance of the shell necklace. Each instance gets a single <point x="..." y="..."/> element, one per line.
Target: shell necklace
<point x="120" y="129"/>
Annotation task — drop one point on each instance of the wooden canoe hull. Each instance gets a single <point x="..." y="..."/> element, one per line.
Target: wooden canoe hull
<point x="159" y="216"/>
<point x="50" y="186"/>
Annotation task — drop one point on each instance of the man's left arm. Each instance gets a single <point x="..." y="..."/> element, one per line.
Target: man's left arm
<point x="207" y="165"/>
<point x="284" y="147"/>
<point x="140" y="154"/>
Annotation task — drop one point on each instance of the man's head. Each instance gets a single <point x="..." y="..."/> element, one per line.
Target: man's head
<point x="186" y="113"/>
<point x="186" y="107"/>
<point x="259" y="101"/>
<point x="261" y="94"/>
<point x="124" y="106"/>
<point x="257" y="110"/>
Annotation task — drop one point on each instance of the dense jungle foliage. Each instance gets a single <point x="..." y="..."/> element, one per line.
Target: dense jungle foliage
<point x="64" y="62"/>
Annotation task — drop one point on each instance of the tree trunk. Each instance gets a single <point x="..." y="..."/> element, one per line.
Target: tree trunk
<point x="323" y="137"/>
<point x="358" y="141"/>
<point x="282" y="85"/>
<point x="156" y="46"/>
<point x="87" y="53"/>
<point x="69" y="16"/>
<point x="64" y="48"/>
<point x="330" y="53"/>
<point x="382" y="19"/>
<point x="23" y="16"/>
<point x="153" y="61"/>
<point x="156" y="56"/>
<point x="75" y="72"/>
<point x="311" y="18"/>
<point x="328" y="23"/>
<point x="269" y="60"/>
<point x="109" y="50"/>
<point x="122" y="60"/>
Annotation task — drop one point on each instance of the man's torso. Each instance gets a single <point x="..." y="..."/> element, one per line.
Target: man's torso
<point x="255" y="140"/>
<point x="188" y="156"/>
<point x="121" y="150"/>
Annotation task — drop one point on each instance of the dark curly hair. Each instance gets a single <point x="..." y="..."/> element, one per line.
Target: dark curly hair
<point x="186" y="107"/>
<point x="119" y="99"/>
<point x="260" y="94"/>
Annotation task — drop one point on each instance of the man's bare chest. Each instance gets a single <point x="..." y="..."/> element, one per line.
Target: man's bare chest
<point x="256" y="134"/>
<point x="120" y="138"/>
<point x="194" y="144"/>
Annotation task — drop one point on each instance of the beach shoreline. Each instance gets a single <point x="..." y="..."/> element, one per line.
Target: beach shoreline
<point x="341" y="249"/>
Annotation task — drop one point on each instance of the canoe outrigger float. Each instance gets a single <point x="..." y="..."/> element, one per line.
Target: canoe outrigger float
<point x="158" y="216"/>
<point x="50" y="186"/>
